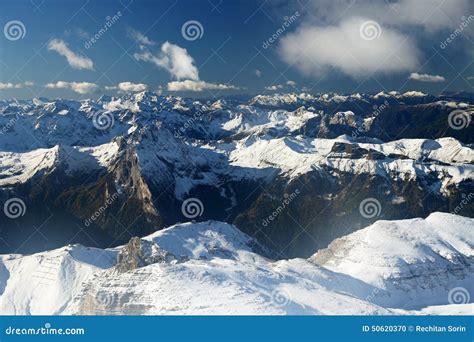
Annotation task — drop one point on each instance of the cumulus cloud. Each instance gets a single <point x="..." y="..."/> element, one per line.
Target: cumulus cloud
<point x="178" y="62"/>
<point x="75" y="60"/>
<point x="291" y="83"/>
<point x="78" y="87"/>
<point x="313" y="49"/>
<point x="431" y="15"/>
<point x="258" y="73"/>
<point x="190" y="85"/>
<point x="327" y="36"/>
<point x="172" y="58"/>
<point x="9" y="85"/>
<point x="426" y="78"/>
<point x="131" y="87"/>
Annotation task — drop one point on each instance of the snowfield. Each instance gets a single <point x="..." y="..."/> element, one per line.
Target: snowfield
<point x="416" y="266"/>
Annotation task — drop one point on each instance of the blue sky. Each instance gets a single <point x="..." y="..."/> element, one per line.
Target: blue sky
<point x="242" y="47"/>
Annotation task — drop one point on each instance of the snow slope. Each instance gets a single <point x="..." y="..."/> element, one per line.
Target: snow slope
<point x="413" y="263"/>
<point x="216" y="270"/>
<point x="44" y="283"/>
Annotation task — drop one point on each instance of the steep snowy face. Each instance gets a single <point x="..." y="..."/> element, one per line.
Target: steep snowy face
<point x="411" y="263"/>
<point x="45" y="283"/>
<point x="136" y="158"/>
<point x="214" y="268"/>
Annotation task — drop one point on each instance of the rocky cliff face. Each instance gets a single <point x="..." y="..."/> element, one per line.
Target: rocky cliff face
<point x="140" y="253"/>
<point x="276" y="166"/>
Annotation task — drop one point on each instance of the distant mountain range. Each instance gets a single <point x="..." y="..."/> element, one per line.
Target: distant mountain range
<point x="292" y="171"/>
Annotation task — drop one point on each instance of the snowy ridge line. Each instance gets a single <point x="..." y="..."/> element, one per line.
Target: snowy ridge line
<point x="391" y="267"/>
<point x="292" y="156"/>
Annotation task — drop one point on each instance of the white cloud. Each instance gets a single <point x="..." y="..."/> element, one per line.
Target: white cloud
<point x="132" y="87"/>
<point x="431" y="15"/>
<point x="314" y="49"/>
<point x="470" y="78"/>
<point x="258" y="73"/>
<point x="110" y="87"/>
<point x="426" y="78"/>
<point x="140" y="38"/>
<point x="189" y="85"/>
<point x="174" y="59"/>
<point x="274" y="87"/>
<point x="74" y="60"/>
<point x="179" y="63"/>
<point x="9" y="85"/>
<point x="78" y="87"/>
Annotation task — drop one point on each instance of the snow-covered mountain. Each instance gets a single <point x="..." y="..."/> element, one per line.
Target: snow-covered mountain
<point x="99" y="172"/>
<point x="411" y="266"/>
